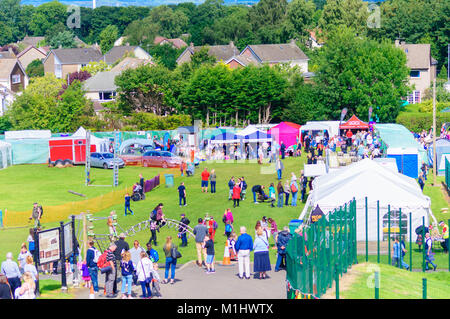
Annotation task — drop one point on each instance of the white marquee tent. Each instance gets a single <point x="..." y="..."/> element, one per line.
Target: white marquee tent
<point x="369" y="179"/>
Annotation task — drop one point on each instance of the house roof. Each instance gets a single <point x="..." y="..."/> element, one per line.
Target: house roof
<point x="277" y="52"/>
<point x="220" y="52"/>
<point x="177" y="42"/>
<point x="77" y="55"/>
<point x="418" y="55"/>
<point x="6" y="67"/>
<point x="314" y="35"/>
<point x="130" y="63"/>
<point x="242" y="60"/>
<point x="32" y="40"/>
<point x="6" y="55"/>
<point x="41" y="50"/>
<point x="102" y="81"/>
<point x="117" y="53"/>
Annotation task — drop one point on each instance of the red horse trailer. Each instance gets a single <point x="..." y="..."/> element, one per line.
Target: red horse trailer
<point x="68" y="150"/>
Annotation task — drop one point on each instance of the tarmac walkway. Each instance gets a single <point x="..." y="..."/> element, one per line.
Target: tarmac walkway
<point x="191" y="282"/>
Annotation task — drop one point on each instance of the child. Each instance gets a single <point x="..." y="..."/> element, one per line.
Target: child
<point x="272" y="195"/>
<point x="127" y="204"/>
<point x="155" y="281"/>
<point x="153" y="228"/>
<point x="127" y="274"/>
<point x="231" y="242"/>
<point x="208" y="244"/>
<point x="228" y="228"/>
<point x="85" y="275"/>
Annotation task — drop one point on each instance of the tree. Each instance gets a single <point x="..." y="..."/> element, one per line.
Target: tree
<point x="35" y="68"/>
<point x="358" y="73"/>
<point x="166" y="54"/>
<point x="202" y="57"/>
<point x="94" y="67"/>
<point x="349" y="13"/>
<point x="141" y="32"/>
<point x="46" y="15"/>
<point x="299" y="18"/>
<point x="147" y="89"/>
<point x="107" y="38"/>
<point x="267" y="18"/>
<point x="171" y="23"/>
<point x="65" y="40"/>
<point x="6" y="34"/>
<point x="79" y="76"/>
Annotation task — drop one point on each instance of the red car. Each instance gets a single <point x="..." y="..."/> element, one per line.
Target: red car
<point x="160" y="159"/>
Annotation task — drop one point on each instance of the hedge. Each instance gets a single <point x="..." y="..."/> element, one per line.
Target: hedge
<point x="417" y="122"/>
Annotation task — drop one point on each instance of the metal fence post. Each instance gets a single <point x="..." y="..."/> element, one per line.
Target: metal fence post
<point x="410" y="241"/>
<point x="389" y="234"/>
<point x="367" y="234"/>
<point x="378" y="231"/>
<point x="424" y="288"/>
<point x="336" y="278"/>
<point x="377" y="285"/>
<point x="423" y="243"/>
<point x="400" y="239"/>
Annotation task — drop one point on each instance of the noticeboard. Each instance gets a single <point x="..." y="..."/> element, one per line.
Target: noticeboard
<point x="49" y="245"/>
<point x="68" y="239"/>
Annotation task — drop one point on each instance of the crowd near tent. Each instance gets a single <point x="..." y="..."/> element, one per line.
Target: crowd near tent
<point x="5" y="155"/>
<point x="286" y="132"/>
<point x="368" y="178"/>
<point x="314" y="128"/>
<point x="402" y="146"/>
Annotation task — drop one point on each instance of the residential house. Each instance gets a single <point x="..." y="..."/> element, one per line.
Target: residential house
<point x="62" y="62"/>
<point x="118" y="52"/>
<point x="239" y="61"/>
<point x="176" y="43"/>
<point x="315" y="40"/>
<point x="101" y="87"/>
<point x="272" y="54"/>
<point x="220" y="52"/>
<point x="422" y="68"/>
<point x="13" y="79"/>
<point x="30" y="54"/>
<point x="33" y="41"/>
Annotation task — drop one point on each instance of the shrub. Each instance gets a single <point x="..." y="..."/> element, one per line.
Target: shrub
<point x="417" y="122"/>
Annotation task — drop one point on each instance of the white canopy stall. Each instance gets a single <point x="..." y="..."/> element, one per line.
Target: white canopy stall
<point x="369" y="179"/>
<point x="101" y="144"/>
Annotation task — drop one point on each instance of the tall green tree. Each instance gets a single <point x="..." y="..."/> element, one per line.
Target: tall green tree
<point x="171" y="23"/>
<point x="107" y="38"/>
<point x="299" y="19"/>
<point x="46" y="15"/>
<point x="267" y="18"/>
<point x="349" y="13"/>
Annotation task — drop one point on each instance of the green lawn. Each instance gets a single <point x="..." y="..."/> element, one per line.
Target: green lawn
<point x="394" y="283"/>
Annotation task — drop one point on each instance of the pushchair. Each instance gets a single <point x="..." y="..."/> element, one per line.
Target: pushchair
<point x="137" y="196"/>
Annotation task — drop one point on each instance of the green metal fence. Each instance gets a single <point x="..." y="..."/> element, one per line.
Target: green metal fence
<point x="447" y="174"/>
<point x="320" y="251"/>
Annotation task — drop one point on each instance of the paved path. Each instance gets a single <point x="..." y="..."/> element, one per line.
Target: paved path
<point x="191" y="282"/>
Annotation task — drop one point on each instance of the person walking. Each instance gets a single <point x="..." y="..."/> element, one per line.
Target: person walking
<point x="397" y="254"/>
<point x="421" y="181"/>
<point x="152" y="253"/>
<point x="144" y="274"/>
<point x="287" y="192"/>
<point x="183" y="229"/>
<point x="212" y="227"/>
<point x="212" y="180"/>
<point x="122" y="246"/>
<point x="429" y="252"/>
<point x="5" y="289"/>
<point x="280" y="167"/>
<point x="294" y="190"/>
<point x="228" y="216"/>
<point x="141" y="183"/>
<point x="26" y="291"/>
<point x="243" y="247"/>
<point x="209" y="246"/>
<point x="36" y="214"/>
<point x="303" y="182"/>
<point x="273" y="230"/>
<point x="156" y="279"/>
<point x="283" y="150"/>
<point x="11" y="270"/>
<point x="445" y="235"/>
<point x="127" y="268"/>
<point x="111" y="227"/>
<point x="283" y="238"/>
<point x="171" y="260"/>
<point x="31" y="269"/>
<point x="231" y="183"/>
<point x="243" y="186"/>
<point x="236" y="195"/>
<point x="21" y="258"/>
<point x="205" y="177"/>
<point x="92" y="255"/>
<point x="200" y="231"/>
<point x="280" y="191"/>
<point x="127" y="204"/>
<point x="182" y="194"/>
<point x="261" y="263"/>
<point x="153" y="229"/>
<point x="135" y="253"/>
<point x="110" y="276"/>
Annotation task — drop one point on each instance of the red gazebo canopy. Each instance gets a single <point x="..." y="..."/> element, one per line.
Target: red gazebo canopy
<point x="354" y="123"/>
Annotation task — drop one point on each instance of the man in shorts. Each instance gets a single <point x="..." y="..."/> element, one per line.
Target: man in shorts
<point x="205" y="178"/>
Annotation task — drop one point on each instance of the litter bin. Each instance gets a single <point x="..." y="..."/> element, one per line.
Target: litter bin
<point x="169" y="180"/>
<point x="293" y="225"/>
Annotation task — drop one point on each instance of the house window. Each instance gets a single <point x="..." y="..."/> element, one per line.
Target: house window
<point x="15" y="78"/>
<point x="58" y="71"/>
<point x="414" y="97"/>
<point x="107" y="96"/>
<point x="414" y="74"/>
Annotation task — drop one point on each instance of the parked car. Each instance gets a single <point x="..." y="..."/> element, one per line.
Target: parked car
<point x="160" y="159"/>
<point x="105" y="160"/>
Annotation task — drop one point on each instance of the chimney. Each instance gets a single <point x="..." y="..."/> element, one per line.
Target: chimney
<point x="10" y="50"/>
<point x="191" y="44"/>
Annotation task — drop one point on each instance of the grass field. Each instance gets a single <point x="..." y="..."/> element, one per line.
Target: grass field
<point x="395" y="283"/>
<point x="21" y="185"/>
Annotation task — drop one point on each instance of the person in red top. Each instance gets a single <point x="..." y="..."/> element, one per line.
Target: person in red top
<point x="205" y="178"/>
<point x="349" y="134"/>
<point x="236" y="195"/>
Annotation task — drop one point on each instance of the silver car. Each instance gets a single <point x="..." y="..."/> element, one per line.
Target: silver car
<point x="105" y="160"/>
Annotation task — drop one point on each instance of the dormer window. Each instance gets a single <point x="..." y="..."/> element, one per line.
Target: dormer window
<point x="15" y="78"/>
